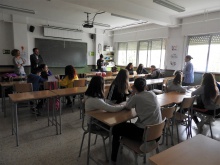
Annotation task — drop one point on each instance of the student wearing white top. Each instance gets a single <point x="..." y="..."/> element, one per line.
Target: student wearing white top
<point x="94" y="97"/>
<point x="18" y="62"/>
<point x="148" y="113"/>
<point x="175" y="84"/>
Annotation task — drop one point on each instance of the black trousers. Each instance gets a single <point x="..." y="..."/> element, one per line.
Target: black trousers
<point x="128" y="130"/>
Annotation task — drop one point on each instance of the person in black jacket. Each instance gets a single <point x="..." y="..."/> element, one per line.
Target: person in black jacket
<point x="155" y="73"/>
<point x="141" y="69"/>
<point x="36" y="59"/>
<point x="100" y="63"/>
<point x="119" y="88"/>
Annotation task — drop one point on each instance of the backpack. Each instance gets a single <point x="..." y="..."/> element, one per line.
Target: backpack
<point x="53" y="85"/>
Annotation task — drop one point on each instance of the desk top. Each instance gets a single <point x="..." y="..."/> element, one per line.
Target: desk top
<point x="20" y="97"/>
<point x="112" y="118"/>
<point x="199" y="150"/>
<point x="10" y="84"/>
<point x="173" y="97"/>
<point x="69" y="91"/>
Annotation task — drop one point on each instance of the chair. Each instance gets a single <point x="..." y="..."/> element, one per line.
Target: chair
<point x="21" y="88"/>
<point x="104" y="134"/>
<point x="210" y="118"/>
<point x="168" y="113"/>
<point x="51" y="85"/>
<point x="180" y="117"/>
<point x="109" y="74"/>
<point x="151" y="133"/>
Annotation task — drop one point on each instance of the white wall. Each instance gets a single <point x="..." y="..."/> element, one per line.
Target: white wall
<point x="6" y="42"/>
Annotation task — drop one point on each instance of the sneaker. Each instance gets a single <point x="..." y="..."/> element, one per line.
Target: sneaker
<point x="200" y="126"/>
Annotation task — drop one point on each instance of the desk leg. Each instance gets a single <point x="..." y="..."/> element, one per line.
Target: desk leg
<point x="60" y="109"/>
<point x="12" y="117"/>
<point x="48" y="112"/>
<point x="16" y="123"/>
<point x="2" y="99"/>
<point x="110" y="145"/>
<point x="55" y="114"/>
<point x="89" y="139"/>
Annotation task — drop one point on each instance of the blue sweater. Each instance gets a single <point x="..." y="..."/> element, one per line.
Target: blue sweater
<point x="35" y="80"/>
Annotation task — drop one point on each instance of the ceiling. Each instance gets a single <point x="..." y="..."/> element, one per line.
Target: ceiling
<point x="72" y="11"/>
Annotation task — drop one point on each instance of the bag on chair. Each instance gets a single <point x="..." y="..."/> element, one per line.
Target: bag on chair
<point x="51" y="86"/>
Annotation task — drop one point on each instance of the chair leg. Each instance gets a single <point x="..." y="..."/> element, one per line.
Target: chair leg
<point x="177" y="132"/>
<point x="136" y="160"/>
<point x="95" y="139"/>
<point x="172" y="142"/>
<point x="82" y="143"/>
<point x="145" y="157"/>
<point x="157" y="150"/>
<point x="210" y="126"/>
<point x="106" y="156"/>
<point x="166" y="136"/>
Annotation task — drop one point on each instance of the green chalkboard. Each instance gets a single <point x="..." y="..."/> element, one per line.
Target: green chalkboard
<point x="58" y="53"/>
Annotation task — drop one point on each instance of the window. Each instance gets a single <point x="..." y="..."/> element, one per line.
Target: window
<point x="205" y="51"/>
<point x="150" y="52"/>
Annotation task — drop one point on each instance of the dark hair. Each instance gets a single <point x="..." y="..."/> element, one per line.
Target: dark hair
<point x="209" y="84"/>
<point x="128" y="66"/>
<point x="42" y="66"/>
<point x="140" y="68"/>
<point x="121" y="80"/>
<point x="140" y="84"/>
<point x="14" y="52"/>
<point x="96" y="87"/>
<point x="101" y="56"/>
<point x="34" y="49"/>
<point x="177" y="79"/>
<point x="153" y="66"/>
<point x="70" y="72"/>
<point x="37" y="70"/>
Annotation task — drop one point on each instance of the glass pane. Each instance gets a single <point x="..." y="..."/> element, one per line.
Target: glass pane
<point x="122" y="46"/>
<point x="198" y="49"/>
<point x="143" y="53"/>
<point x="155" y="53"/>
<point x="122" y="57"/>
<point x="162" y="61"/>
<point x="214" y="55"/>
<point x="132" y="53"/>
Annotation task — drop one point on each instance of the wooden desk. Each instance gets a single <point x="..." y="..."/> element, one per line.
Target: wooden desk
<point x="4" y="86"/>
<point x="199" y="150"/>
<point x="27" y="96"/>
<point x="111" y="119"/>
<point x="69" y="91"/>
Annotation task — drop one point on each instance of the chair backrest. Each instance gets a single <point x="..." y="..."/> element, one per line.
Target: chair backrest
<point x="187" y="102"/>
<point x="109" y="74"/>
<point x="217" y="100"/>
<point x="79" y="83"/>
<point x="167" y="112"/>
<point x="23" y="87"/>
<point x="153" y="132"/>
<point x="51" y="85"/>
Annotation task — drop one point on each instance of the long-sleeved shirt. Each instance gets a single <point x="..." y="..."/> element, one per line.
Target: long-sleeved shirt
<point x="173" y="87"/>
<point x="94" y="103"/>
<point x="211" y="105"/>
<point x="66" y="82"/>
<point x="147" y="108"/>
<point x="188" y="73"/>
<point x="155" y="74"/>
<point x="35" y="80"/>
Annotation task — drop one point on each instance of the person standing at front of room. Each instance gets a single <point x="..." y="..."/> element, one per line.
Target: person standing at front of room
<point x="188" y="72"/>
<point x="101" y="63"/>
<point x="36" y="59"/>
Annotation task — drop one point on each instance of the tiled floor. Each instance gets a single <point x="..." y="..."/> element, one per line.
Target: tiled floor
<point x="39" y="143"/>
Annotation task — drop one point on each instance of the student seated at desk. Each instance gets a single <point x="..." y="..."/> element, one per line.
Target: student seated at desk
<point x="67" y="81"/>
<point x="148" y="113"/>
<point x="208" y="92"/>
<point x="36" y="81"/>
<point x="155" y="73"/>
<point x="141" y="69"/>
<point x="175" y="84"/>
<point x="119" y="88"/>
<point x="94" y="97"/>
<point x="45" y="72"/>
<point x="130" y="69"/>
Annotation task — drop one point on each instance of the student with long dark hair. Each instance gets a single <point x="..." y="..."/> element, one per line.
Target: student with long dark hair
<point x="130" y="69"/>
<point x="208" y="92"/>
<point x="141" y="69"/>
<point x="70" y="76"/>
<point x="175" y="84"/>
<point x="119" y="88"/>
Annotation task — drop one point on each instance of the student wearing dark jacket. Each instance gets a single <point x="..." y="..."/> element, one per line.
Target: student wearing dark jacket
<point x="36" y="81"/>
<point x="141" y="69"/>
<point x="45" y="72"/>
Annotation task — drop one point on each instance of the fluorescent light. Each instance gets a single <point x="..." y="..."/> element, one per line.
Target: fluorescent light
<point x="17" y="9"/>
<point x="62" y="28"/>
<point x="121" y="16"/>
<point x="170" y="5"/>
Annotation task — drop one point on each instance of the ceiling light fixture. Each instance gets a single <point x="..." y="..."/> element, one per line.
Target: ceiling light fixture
<point x="170" y="5"/>
<point x="17" y="9"/>
<point x="121" y="16"/>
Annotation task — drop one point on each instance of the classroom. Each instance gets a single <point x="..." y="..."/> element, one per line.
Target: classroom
<point x="100" y="39"/>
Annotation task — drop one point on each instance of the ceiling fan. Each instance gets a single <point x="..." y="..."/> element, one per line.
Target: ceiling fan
<point x="90" y="22"/>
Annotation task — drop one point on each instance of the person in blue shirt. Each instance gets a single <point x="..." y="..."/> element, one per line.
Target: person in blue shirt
<point x="188" y="72"/>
